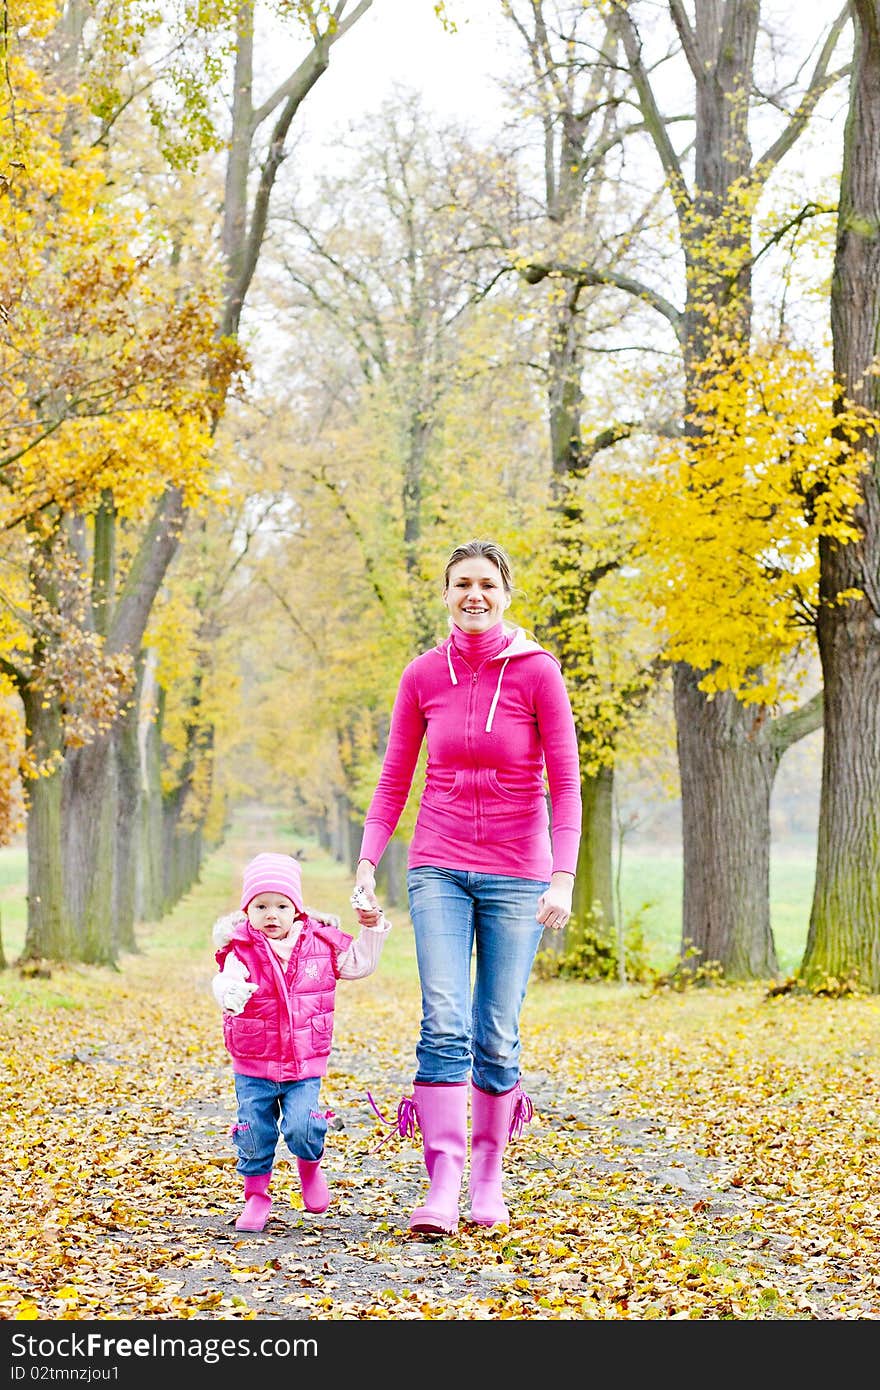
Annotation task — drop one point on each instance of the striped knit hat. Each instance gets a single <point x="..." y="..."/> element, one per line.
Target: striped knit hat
<point x="272" y="873"/>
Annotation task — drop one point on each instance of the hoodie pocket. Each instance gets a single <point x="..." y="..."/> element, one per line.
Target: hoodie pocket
<point x="527" y="797"/>
<point x="443" y="784"/>
<point x="444" y="808"/>
<point x="510" y="813"/>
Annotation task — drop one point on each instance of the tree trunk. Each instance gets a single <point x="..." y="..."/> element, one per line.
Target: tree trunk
<point x="715" y="226"/>
<point x="151" y="890"/>
<point x="394" y="860"/>
<point x="187" y="858"/>
<point x="726" y="764"/>
<point x="341" y="828"/>
<point x="418" y="435"/>
<point x="82" y="806"/>
<point x="593" y="899"/>
<point x="592" y="904"/>
<point x="323" y="832"/>
<point x="89" y="802"/>
<point x="570" y="198"/>
<point x="182" y="818"/>
<point x="48" y="933"/>
<point x="127" y="755"/>
<point x="174" y="865"/>
<point x="844" y="935"/>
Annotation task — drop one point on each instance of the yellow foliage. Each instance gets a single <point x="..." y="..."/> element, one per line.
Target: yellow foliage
<point x="11" y="740"/>
<point x="112" y="371"/>
<point x="734" y="513"/>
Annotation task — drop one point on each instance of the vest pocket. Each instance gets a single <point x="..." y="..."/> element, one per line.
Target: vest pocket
<point x="246" y="1037"/>
<point x="322" y="1035"/>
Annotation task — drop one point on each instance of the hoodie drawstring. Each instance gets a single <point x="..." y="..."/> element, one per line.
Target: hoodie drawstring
<point x="495" y="697"/>
<point x="452" y="676"/>
<point x="454" y="680"/>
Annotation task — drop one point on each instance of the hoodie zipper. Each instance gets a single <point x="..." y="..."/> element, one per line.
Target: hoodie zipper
<point x="469" y="727"/>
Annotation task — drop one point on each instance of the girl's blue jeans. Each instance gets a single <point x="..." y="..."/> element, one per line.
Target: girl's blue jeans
<point x="472" y="1032"/>
<point x="267" y="1109"/>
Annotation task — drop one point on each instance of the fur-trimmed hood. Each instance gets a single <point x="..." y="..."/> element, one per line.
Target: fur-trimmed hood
<point x="224" y="928"/>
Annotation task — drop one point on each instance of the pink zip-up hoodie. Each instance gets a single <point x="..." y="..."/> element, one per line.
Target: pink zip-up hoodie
<point x="496" y="715"/>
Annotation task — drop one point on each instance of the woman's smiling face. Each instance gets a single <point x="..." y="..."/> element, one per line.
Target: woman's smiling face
<point x="475" y="594"/>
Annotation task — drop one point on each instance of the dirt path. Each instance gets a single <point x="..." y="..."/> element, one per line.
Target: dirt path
<point x="588" y="1160"/>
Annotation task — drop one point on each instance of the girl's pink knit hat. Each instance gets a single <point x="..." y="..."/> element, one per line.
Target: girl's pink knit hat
<point x="272" y="873"/>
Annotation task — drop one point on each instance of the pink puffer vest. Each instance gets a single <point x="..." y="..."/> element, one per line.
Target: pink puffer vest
<point x="286" y="1029"/>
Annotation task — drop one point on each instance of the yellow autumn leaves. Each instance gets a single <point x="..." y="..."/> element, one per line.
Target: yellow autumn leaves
<point x="736" y="510"/>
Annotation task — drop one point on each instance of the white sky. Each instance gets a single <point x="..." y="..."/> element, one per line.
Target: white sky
<point x="401" y="42"/>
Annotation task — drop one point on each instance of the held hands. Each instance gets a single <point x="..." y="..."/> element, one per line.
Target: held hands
<point x="368" y="913"/>
<point x="365" y="882"/>
<point x="236" y="995"/>
<point x="554" y="906"/>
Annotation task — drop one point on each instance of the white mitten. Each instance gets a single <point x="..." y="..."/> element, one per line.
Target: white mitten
<point x="236" y="995"/>
<point x="361" y="899"/>
<point x="224" y="928"/>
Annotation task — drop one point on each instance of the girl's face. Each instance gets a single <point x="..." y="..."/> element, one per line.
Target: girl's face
<point x="475" y="595"/>
<point x="271" y="913"/>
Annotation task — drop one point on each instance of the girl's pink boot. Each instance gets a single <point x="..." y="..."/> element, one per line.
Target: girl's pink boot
<point x="257" y="1204"/>
<point x="316" y="1193"/>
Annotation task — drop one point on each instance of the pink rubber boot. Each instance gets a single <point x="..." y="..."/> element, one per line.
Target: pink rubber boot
<point x="257" y="1203"/>
<point x="441" y="1112"/>
<point x="316" y="1193"/>
<point x="494" y="1121"/>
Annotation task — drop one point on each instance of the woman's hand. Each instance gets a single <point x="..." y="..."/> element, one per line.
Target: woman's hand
<point x="554" y="906"/>
<point x="365" y="878"/>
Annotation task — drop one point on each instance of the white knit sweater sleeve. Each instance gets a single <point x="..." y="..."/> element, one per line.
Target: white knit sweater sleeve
<point x="363" y="954"/>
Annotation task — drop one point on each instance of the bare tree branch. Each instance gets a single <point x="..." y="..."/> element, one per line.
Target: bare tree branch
<point x="654" y="120"/>
<point x="789" y="728"/>
<point x="820" y="83"/>
<point x="535" y="272"/>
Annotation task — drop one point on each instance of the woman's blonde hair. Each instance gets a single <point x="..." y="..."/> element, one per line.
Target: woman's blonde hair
<point x="487" y="550"/>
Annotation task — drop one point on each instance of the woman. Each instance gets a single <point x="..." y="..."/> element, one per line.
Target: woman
<point x="484" y="871"/>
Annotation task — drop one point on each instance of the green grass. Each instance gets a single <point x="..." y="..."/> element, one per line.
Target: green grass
<point x="13" y="899"/>
<point x="650" y="890"/>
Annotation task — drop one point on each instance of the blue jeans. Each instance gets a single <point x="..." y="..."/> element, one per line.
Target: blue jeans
<point x="269" y="1108"/>
<point x="465" y="1035"/>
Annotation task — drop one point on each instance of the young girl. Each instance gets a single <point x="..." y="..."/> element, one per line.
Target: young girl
<point x="277" y="984"/>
